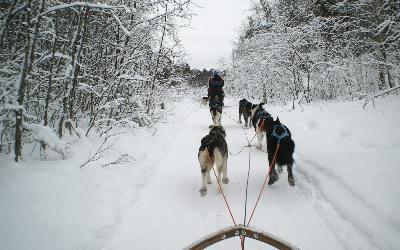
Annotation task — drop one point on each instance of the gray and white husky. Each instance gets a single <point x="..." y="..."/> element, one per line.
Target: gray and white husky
<point x="213" y="152"/>
<point x="259" y="118"/>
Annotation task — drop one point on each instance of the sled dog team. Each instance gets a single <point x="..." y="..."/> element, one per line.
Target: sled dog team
<point x="213" y="151"/>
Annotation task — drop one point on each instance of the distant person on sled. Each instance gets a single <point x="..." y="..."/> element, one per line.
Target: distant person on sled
<point x="215" y="93"/>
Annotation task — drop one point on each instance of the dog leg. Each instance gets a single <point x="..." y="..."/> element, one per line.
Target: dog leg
<point x="208" y="177"/>
<point x="225" y="178"/>
<point x="290" y="175"/>
<point x="203" y="189"/>
<point x="240" y="117"/>
<point x="218" y="167"/>
<point x="260" y="137"/>
<point x="218" y="118"/>
<point x="279" y="169"/>
<point x="273" y="177"/>
<point x="212" y="118"/>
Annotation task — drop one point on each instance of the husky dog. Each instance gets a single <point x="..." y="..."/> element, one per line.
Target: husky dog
<point x="278" y="133"/>
<point x="213" y="151"/>
<point x="245" y="110"/>
<point x="216" y="111"/>
<point x="204" y="100"/>
<point x="260" y="118"/>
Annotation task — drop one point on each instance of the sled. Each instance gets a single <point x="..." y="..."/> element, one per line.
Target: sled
<point x="241" y="231"/>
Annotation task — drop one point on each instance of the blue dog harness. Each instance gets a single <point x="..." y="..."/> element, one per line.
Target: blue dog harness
<point x="281" y="136"/>
<point x="262" y="114"/>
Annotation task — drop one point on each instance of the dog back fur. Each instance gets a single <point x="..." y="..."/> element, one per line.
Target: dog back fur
<point x="245" y="110"/>
<point x="215" y="140"/>
<point x="258" y="115"/>
<point x="287" y="145"/>
<point x="213" y="151"/>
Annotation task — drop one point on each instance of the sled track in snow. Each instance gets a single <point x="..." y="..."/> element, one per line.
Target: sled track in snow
<point x="341" y="213"/>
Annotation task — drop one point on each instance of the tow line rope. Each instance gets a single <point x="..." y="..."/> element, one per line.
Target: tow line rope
<point x="265" y="181"/>
<point x="244" y="130"/>
<point x="223" y="195"/>
<point x="242" y="238"/>
<point x="249" y="145"/>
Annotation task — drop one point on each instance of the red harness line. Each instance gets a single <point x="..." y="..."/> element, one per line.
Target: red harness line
<point x="226" y="201"/>
<point x="242" y="239"/>
<point x="265" y="181"/>
<point x="220" y="188"/>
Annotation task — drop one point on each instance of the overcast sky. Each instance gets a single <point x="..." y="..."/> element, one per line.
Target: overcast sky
<point x="213" y="30"/>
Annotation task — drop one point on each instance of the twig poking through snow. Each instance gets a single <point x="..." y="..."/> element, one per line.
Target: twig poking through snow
<point x="100" y="153"/>
<point x="124" y="158"/>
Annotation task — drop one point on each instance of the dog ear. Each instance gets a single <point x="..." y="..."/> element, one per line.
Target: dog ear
<point x="277" y="120"/>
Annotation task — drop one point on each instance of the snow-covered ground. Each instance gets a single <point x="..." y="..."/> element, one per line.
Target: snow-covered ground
<point x="346" y="193"/>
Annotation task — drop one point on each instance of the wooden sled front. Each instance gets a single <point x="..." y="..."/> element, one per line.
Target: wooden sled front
<point x="237" y="231"/>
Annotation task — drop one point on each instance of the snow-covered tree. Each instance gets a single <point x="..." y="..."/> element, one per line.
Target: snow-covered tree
<point x="86" y="65"/>
<point x="317" y="49"/>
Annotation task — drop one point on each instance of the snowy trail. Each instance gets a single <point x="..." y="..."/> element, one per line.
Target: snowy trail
<point x="170" y="213"/>
<point x="346" y="195"/>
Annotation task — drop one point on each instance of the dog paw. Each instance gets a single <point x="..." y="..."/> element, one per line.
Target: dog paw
<point x="258" y="147"/>
<point x="273" y="178"/>
<point x="225" y="180"/>
<point x="279" y="169"/>
<point x="203" y="191"/>
<point x="291" y="181"/>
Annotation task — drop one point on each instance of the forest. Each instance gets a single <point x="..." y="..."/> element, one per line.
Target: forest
<point x="74" y="67"/>
<point x="318" y="50"/>
<point x="86" y="67"/>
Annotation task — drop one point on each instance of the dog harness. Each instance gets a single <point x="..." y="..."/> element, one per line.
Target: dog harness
<point x="281" y="136"/>
<point x="263" y="115"/>
<point x="216" y="105"/>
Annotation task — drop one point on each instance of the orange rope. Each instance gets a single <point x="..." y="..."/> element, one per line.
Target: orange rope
<point x="220" y="188"/>
<point x="226" y="201"/>
<point x="265" y="181"/>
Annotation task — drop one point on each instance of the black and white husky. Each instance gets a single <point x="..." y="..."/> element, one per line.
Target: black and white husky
<point x="213" y="152"/>
<point x="216" y="111"/>
<point x="277" y="133"/>
<point x="260" y="118"/>
<point x="245" y="111"/>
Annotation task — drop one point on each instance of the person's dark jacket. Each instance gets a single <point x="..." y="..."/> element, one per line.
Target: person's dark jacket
<point x="215" y="85"/>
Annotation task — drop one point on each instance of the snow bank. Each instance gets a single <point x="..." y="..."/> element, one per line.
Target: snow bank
<point x="46" y="134"/>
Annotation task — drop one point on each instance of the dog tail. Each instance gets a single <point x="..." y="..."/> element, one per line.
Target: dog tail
<point x="210" y="155"/>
